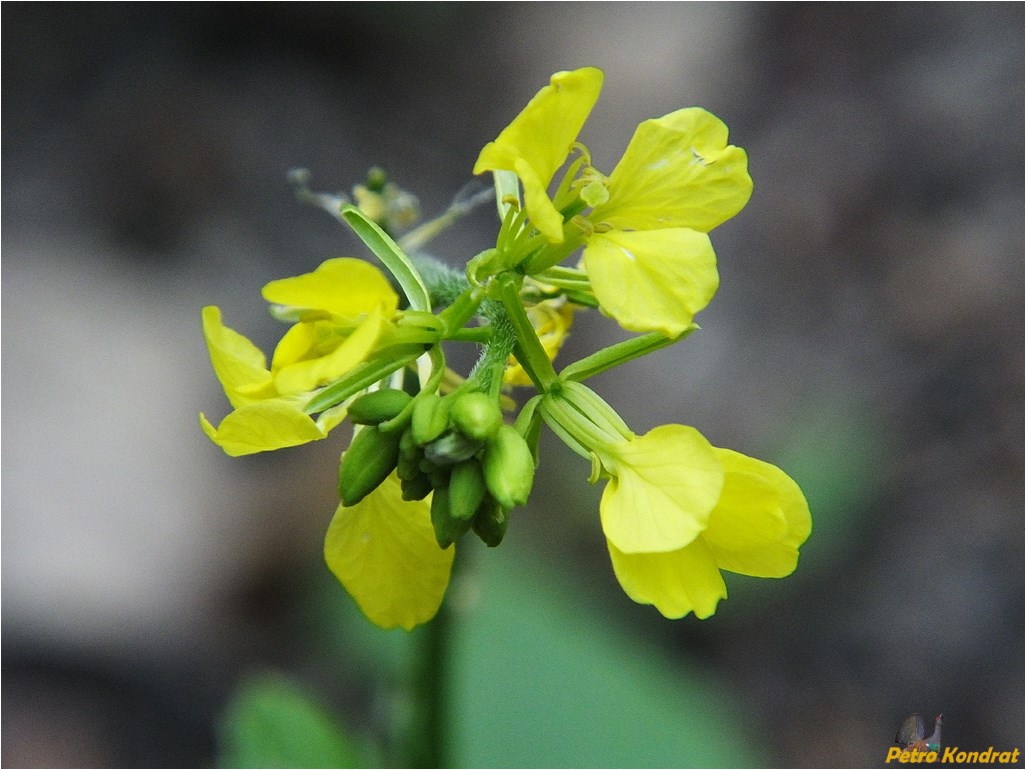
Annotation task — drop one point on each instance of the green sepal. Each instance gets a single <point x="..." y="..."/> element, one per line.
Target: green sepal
<point x="475" y="415"/>
<point x="528" y="424"/>
<point x="490" y="522"/>
<point x="452" y="448"/>
<point x="430" y="418"/>
<point x="447" y="528"/>
<point x="371" y="457"/>
<point x="508" y="467"/>
<point x="410" y="456"/>
<point x="466" y="489"/>
<point x="379" y="405"/>
<point x="416" y="488"/>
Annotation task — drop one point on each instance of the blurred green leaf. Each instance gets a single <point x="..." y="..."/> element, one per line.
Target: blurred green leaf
<point x="272" y="722"/>
<point x="543" y="679"/>
<point x="840" y="453"/>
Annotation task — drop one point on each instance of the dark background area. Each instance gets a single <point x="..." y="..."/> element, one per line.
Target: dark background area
<point x="867" y="337"/>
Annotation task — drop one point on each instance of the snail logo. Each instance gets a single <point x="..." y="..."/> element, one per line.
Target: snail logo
<point x="911" y="734"/>
<point x="915" y="748"/>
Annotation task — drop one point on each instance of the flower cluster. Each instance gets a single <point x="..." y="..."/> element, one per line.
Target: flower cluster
<point x="432" y="457"/>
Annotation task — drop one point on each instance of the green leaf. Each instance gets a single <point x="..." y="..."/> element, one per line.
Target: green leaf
<point x="272" y="722"/>
<point x="542" y="677"/>
<point x="391" y="256"/>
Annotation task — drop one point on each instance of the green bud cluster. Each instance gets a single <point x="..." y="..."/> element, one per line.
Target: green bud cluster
<point x="456" y="447"/>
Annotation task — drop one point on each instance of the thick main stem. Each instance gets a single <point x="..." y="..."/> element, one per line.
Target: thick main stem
<point x="428" y="745"/>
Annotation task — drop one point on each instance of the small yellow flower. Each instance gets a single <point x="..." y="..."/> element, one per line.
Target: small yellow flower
<point x="651" y="264"/>
<point x="677" y="171"/>
<point x="662" y="488"/>
<point x="344" y="308"/>
<point x="755" y="529"/>
<point x="383" y="550"/>
<point x="677" y="510"/>
<point x="539" y="139"/>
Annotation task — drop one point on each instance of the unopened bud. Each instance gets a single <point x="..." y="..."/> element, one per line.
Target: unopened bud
<point x="476" y="415"/>
<point x="378" y="406"/>
<point x="451" y="448"/>
<point x="430" y="418"/>
<point x="447" y="528"/>
<point x="466" y="489"/>
<point x="490" y="522"/>
<point x="371" y="456"/>
<point x="508" y="468"/>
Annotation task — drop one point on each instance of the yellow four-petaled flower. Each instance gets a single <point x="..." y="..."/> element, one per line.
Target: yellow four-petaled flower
<point x="651" y="264"/>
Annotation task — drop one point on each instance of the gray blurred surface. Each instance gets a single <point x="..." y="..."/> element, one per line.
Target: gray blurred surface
<point x="870" y="315"/>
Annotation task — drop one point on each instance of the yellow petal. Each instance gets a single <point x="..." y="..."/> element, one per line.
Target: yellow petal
<point x="654" y="280"/>
<point x="383" y="551"/>
<point x="306" y="375"/>
<point x="676" y="583"/>
<point x="343" y="286"/>
<point x="330" y="418"/>
<point x="664" y="486"/>
<point x="761" y="519"/>
<point x="262" y="427"/>
<point x="539" y="139"/>
<point x="300" y="343"/>
<point x="677" y="171"/>
<point x="238" y="363"/>
<point x="542" y="212"/>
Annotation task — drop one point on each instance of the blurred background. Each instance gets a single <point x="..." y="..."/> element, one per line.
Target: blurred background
<point x="867" y="337"/>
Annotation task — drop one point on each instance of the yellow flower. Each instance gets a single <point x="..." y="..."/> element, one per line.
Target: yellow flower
<point x="551" y="319"/>
<point x="539" y="140"/>
<point x="662" y="489"/>
<point x="651" y="264"/>
<point x="344" y="308"/>
<point x="383" y="550"/>
<point x="755" y="529"/>
<point x="677" y="171"/>
<point x="677" y="510"/>
<point x="655" y="280"/>
<point x="662" y="486"/>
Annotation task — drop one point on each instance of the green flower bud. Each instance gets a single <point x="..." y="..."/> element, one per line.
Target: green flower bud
<point x="508" y="468"/>
<point x="447" y="528"/>
<point x="371" y="456"/>
<point x="378" y="406"/>
<point x="451" y="448"/>
<point x="476" y="415"/>
<point x="439" y="477"/>
<point x="466" y="489"/>
<point x="416" y="488"/>
<point x="430" y="418"/>
<point x="410" y="457"/>
<point x="490" y="522"/>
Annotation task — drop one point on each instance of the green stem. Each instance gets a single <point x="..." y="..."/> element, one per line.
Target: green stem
<point x="430" y="722"/>
<point x="531" y="354"/>
<point x="463" y="308"/>
<point x="479" y="334"/>
<point x="617" y="354"/>
<point x="361" y="377"/>
<point x="565" y="278"/>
